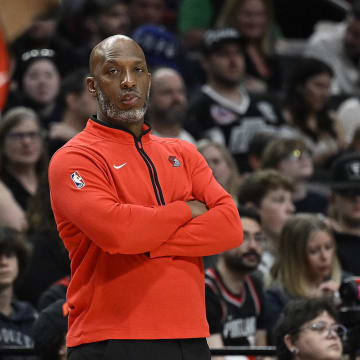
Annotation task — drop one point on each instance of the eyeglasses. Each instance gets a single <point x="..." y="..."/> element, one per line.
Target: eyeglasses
<point x="322" y="328"/>
<point x="19" y="136"/>
<point x="258" y="238"/>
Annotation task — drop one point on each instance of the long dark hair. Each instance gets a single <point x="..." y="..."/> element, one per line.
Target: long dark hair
<point x="11" y="119"/>
<point x="302" y="71"/>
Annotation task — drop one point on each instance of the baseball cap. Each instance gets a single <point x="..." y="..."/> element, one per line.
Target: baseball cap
<point x="215" y="38"/>
<point x="346" y="173"/>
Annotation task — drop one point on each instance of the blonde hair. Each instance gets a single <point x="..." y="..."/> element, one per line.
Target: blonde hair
<point x="227" y="18"/>
<point x="290" y="269"/>
<point x="232" y="185"/>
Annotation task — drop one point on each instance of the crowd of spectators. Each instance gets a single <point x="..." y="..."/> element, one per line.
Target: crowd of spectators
<point x="275" y="117"/>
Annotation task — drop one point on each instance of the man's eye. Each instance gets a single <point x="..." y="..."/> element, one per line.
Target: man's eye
<point x="138" y="69"/>
<point x="113" y="71"/>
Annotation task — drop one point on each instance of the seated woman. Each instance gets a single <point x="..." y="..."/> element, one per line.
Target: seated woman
<point x="306" y="265"/>
<point x="254" y="20"/>
<point x="38" y="82"/>
<point x="309" y="329"/>
<point x="306" y="110"/>
<point x="22" y="154"/>
<point x="223" y="166"/>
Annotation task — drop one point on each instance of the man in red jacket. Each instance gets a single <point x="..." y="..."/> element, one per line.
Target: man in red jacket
<point x="136" y="213"/>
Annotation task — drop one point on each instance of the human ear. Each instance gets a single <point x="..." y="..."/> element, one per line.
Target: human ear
<point x="290" y="345"/>
<point x="90" y="82"/>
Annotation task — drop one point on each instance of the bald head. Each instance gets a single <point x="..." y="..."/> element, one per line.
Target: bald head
<point x="168" y="100"/>
<point x="120" y="81"/>
<point x="111" y="47"/>
<point x="164" y="73"/>
<point x="167" y="80"/>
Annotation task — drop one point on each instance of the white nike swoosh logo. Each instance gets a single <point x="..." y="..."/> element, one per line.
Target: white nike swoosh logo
<point x="117" y="167"/>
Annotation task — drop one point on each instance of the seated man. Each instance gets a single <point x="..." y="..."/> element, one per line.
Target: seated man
<point x="345" y="203"/>
<point x="269" y="193"/>
<point x="234" y="295"/>
<point x="168" y="104"/>
<point x="16" y="317"/>
<point x="222" y="110"/>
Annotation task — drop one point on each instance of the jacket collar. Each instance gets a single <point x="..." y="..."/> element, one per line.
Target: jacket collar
<point x="117" y="133"/>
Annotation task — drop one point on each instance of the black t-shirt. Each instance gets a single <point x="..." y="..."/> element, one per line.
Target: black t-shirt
<point x="21" y="195"/>
<point x="236" y="317"/>
<point x="348" y="250"/>
<point x="216" y="118"/>
<point x="312" y="203"/>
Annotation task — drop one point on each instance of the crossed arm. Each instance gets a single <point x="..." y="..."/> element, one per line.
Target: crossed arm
<point x="199" y="227"/>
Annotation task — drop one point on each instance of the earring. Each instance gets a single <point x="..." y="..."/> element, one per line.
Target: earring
<point x="294" y="351"/>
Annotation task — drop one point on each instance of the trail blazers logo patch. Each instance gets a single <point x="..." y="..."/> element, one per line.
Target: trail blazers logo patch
<point x="175" y="162"/>
<point x="78" y="180"/>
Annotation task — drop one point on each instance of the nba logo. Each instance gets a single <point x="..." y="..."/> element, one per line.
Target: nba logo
<point x="77" y="179"/>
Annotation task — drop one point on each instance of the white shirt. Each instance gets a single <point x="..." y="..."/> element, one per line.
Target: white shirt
<point x="328" y="46"/>
<point x="349" y="117"/>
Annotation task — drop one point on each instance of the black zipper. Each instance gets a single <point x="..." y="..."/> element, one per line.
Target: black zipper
<point x="152" y="171"/>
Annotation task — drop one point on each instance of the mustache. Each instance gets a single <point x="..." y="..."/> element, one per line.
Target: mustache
<point x="252" y="252"/>
<point x="131" y="92"/>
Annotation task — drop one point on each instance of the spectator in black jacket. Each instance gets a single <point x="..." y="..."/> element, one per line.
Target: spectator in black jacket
<point x="16" y="317"/>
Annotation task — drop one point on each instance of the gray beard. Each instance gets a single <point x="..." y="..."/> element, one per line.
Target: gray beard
<point x="112" y="112"/>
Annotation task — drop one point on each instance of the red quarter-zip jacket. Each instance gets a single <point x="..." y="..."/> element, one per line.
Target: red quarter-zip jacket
<point x="136" y="266"/>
